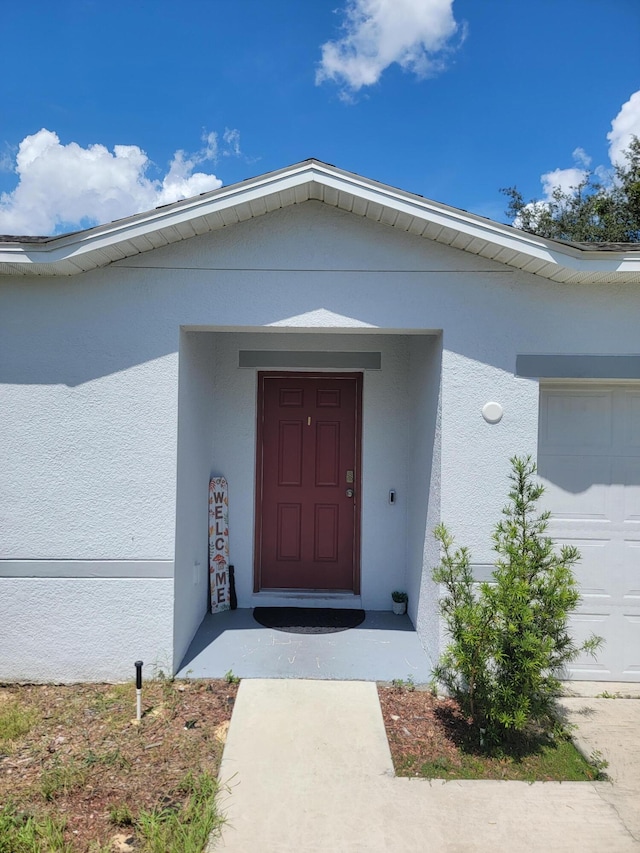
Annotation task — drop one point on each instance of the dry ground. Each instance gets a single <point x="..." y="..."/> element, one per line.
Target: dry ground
<point x="76" y="753"/>
<point x="84" y="757"/>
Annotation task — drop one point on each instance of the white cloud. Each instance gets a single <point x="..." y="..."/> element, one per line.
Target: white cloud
<point x="414" y="33"/>
<point x="625" y="125"/>
<point x="6" y="161"/>
<point x="232" y="140"/>
<point x="68" y="186"/>
<point x="581" y="158"/>
<point x="566" y="179"/>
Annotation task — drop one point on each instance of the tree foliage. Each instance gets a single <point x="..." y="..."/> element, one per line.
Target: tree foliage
<point x="509" y="639"/>
<point x="591" y="212"/>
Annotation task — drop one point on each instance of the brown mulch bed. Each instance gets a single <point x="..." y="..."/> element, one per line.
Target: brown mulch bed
<point x="421" y="727"/>
<point x="429" y="736"/>
<point x="85" y="753"/>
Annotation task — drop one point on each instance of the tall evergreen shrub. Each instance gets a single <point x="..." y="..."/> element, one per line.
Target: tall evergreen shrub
<point x="509" y="639"/>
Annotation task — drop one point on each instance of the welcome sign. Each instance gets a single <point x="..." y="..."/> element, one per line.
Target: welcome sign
<point x="219" y="544"/>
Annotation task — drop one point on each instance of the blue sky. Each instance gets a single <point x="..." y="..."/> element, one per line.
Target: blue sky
<point x="450" y="100"/>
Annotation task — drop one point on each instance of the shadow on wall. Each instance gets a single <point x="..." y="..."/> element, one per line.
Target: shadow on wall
<point x="582" y="474"/>
<point x="71" y="331"/>
<point x="254" y="275"/>
<point x="75" y="329"/>
<point x="589" y="435"/>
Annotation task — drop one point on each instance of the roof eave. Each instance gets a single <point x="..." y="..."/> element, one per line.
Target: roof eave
<point x="101" y="245"/>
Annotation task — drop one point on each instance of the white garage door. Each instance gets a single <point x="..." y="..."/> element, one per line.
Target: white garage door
<point x="589" y="462"/>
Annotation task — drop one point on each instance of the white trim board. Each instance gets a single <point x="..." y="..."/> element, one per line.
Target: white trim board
<point x="86" y="568"/>
<point x="312" y="180"/>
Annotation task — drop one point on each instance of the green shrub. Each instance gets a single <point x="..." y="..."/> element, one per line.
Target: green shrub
<point x="509" y="639"/>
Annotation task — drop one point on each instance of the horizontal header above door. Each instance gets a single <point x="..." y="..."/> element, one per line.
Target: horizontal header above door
<point x="313" y="359"/>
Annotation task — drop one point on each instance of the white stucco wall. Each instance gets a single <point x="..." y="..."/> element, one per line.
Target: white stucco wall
<point x="89" y="371"/>
<point x="76" y="629"/>
<point x="89" y="411"/>
<point x="424" y="476"/>
<point x="195" y="423"/>
<point x="87" y="509"/>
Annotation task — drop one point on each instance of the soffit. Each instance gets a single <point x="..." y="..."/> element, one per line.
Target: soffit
<point x="100" y="246"/>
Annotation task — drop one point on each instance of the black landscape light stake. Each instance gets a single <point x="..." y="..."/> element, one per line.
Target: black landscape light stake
<point x="233" y="598"/>
<point x="138" y="666"/>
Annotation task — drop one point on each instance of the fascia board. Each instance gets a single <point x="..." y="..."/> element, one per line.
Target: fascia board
<point x="501" y="236"/>
<point x="80" y="245"/>
<point x="101" y="237"/>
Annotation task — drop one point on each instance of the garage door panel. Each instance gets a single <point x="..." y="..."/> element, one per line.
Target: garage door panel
<point x="632" y="586"/>
<point x="601" y="572"/>
<point x="590" y="571"/>
<point x="589" y="462"/>
<point x="583" y="625"/>
<point x="619" y="658"/>
<point x="631" y="639"/>
<point x="575" y="485"/>
<point x="581" y="530"/>
<point x="628" y="433"/>
<point x="627" y="473"/>
<point x="577" y="421"/>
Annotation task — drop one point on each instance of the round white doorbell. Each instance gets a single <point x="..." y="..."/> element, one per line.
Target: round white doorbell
<point x="492" y="413"/>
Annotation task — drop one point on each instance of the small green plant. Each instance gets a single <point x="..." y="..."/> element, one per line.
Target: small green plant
<point x="606" y="695"/>
<point x="109" y="758"/>
<point x="25" y="833"/>
<point x="121" y="815"/>
<point x="230" y="678"/>
<point x="15" y="722"/>
<point x="118" y="695"/>
<point x="399" y="597"/>
<point x="599" y="764"/>
<point x="161" y="670"/>
<point x="61" y="777"/>
<point x="186" y="829"/>
<point x="509" y="639"/>
<point x="401" y="684"/>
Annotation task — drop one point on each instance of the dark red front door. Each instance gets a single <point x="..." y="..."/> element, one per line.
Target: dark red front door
<point x="308" y="460"/>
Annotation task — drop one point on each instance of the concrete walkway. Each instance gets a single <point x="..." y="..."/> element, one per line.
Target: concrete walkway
<point x="611" y="728"/>
<point x="308" y="769"/>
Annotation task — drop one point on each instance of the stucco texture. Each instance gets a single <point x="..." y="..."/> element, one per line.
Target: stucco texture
<point x="121" y="395"/>
<point x="70" y="629"/>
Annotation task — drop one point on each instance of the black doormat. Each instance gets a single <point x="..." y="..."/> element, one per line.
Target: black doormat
<point x="308" y="620"/>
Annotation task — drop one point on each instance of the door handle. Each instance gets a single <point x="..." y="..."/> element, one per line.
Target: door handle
<point x="349" y="493"/>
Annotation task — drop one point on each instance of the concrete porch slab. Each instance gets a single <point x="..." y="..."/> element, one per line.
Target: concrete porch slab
<point x="382" y="648"/>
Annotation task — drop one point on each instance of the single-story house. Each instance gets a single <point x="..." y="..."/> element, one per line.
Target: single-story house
<point x="357" y="361"/>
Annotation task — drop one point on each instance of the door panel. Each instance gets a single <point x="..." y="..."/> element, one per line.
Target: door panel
<point x="308" y="458"/>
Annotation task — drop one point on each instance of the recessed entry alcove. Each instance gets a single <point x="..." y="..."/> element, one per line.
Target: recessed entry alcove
<point x="398" y="376"/>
